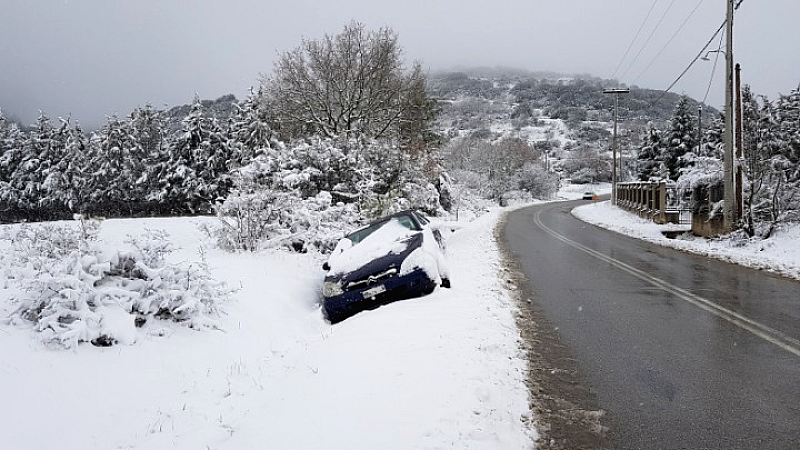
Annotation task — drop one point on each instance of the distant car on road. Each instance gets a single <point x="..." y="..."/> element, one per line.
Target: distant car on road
<point x="396" y="257"/>
<point x="589" y="195"/>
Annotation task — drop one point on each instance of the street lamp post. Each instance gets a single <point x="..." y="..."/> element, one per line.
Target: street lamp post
<point x="616" y="93"/>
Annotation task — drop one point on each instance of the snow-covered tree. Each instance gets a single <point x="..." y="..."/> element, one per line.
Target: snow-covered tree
<point x="772" y="189"/>
<point x="42" y="150"/>
<point x="649" y="156"/>
<point x="76" y="179"/>
<point x="250" y="132"/>
<point x="679" y="139"/>
<point x="350" y="84"/>
<point x="148" y="136"/>
<point x="112" y="158"/>
<point x="12" y="141"/>
<point x="195" y="175"/>
<point x="787" y="116"/>
<point x="417" y="113"/>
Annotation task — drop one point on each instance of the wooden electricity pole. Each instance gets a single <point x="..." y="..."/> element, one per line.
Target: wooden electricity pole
<point x="739" y="146"/>
<point x="728" y="183"/>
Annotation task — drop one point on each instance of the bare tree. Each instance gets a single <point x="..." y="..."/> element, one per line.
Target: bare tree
<point x="352" y="83"/>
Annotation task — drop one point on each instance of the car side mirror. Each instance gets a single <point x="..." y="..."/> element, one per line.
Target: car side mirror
<point x="326" y="267"/>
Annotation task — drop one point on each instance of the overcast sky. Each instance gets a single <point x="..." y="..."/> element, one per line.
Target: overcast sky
<point x="93" y="58"/>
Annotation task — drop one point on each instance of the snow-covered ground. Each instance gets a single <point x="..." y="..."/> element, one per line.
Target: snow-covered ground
<point x="442" y="371"/>
<point x="779" y="254"/>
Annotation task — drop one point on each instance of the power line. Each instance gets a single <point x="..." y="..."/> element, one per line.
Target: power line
<point x="668" y="42"/>
<point x="635" y="58"/>
<point x="699" y="55"/>
<point x="634" y="39"/>
<point x="714" y="69"/>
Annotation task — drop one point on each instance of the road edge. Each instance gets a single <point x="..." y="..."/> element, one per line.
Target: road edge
<point x="566" y="412"/>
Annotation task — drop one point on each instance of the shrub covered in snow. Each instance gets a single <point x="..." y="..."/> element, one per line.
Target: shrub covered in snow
<point x="307" y="195"/>
<point x="71" y="291"/>
<point x="262" y="219"/>
<point x="538" y="182"/>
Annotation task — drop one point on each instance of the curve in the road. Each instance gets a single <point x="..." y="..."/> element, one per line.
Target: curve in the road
<point x="764" y="332"/>
<point x="678" y="350"/>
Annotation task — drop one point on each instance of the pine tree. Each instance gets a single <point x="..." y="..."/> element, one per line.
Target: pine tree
<point x="28" y="180"/>
<point x="74" y="195"/>
<point x="110" y="161"/>
<point x="250" y="133"/>
<point x="147" y="131"/>
<point x="12" y="143"/>
<point x="788" y="120"/>
<point x="680" y="138"/>
<point x="12" y="140"/>
<point x="196" y="175"/>
<point x="649" y="156"/>
<point x="772" y="191"/>
<point x="213" y="158"/>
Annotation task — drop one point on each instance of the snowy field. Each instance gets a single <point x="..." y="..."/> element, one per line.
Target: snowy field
<point x="442" y="371"/>
<point x="779" y="254"/>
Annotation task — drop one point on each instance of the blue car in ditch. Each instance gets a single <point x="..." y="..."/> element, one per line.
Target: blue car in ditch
<point x="393" y="258"/>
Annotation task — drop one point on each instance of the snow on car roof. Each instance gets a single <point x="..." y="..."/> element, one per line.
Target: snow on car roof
<point x="349" y="256"/>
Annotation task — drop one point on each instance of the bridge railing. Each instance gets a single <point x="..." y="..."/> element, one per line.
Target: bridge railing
<point x="654" y="200"/>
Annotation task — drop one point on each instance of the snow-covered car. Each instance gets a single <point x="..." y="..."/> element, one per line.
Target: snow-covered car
<point x="589" y="195"/>
<point x="396" y="257"/>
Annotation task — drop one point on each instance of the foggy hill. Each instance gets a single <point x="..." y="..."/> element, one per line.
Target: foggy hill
<point x="524" y="95"/>
<point x="221" y="109"/>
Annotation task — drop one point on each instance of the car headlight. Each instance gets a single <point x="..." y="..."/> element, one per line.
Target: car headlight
<point x="331" y="289"/>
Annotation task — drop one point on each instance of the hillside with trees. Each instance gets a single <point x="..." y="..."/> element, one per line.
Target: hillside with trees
<point x="566" y="121"/>
<point x="343" y="131"/>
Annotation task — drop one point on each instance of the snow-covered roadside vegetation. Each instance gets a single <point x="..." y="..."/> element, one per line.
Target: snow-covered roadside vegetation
<point x="71" y="289"/>
<point x="444" y="370"/>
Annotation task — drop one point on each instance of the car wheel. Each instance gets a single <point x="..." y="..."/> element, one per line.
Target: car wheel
<point x="446" y="283"/>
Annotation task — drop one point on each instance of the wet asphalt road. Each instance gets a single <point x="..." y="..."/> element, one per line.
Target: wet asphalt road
<point x="678" y="350"/>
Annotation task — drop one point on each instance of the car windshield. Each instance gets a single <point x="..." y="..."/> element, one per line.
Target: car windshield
<point x="404" y="220"/>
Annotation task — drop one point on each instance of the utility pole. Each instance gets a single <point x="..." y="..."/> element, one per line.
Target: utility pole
<point x="616" y="93"/>
<point x="728" y="184"/>
<point x="739" y="146"/>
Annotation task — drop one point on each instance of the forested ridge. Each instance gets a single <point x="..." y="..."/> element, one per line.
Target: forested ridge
<point x="400" y="138"/>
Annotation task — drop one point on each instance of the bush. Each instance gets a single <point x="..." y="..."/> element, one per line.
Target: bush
<point x="307" y="195"/>
<point x="264" y="219"/>
<point x="71" y="291"/>
<point x="585" y="176"/>
<point x="538" y="182"/>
